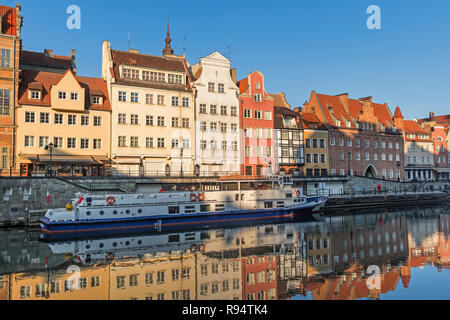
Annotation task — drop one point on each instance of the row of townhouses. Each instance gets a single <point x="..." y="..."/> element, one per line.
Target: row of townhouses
<point x="161" y="116"/>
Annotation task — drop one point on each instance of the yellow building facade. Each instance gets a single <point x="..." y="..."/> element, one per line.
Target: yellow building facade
<point x="63" y="124"/>
<point x="316" y="142"/>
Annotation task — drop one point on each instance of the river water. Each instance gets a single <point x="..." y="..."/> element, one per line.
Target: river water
<point x="373" y="255"/>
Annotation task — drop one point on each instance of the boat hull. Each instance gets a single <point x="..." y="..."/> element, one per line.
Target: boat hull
<point x="58" y="231"/>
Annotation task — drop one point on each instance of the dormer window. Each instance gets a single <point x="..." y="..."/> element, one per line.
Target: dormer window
<point x="35" y="95"/>
<point x="62" y="95"/>
<point x="73" y="96"/>
<point x="96" y="100"/>
<point x="175" y="78"/>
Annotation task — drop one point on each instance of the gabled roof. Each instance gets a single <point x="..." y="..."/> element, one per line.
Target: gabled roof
<point x="279" y="100"/>
<point x="41" y="60"/>
<point x="444" y="119"/>
<point x="413" y="127"/>
<point x="309" y="119"/>
<point x="398" y="113"/>
<point x="281" y="113"/>
<point x="35" y="79"/>
<point x="9" y="20"/>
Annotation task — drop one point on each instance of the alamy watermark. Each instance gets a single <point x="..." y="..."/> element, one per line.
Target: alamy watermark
<point x="374" y="20"/>
<point x="74" y="19"/>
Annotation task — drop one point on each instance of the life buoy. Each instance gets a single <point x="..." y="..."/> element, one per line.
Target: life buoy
<point x="193" y="248"/>
<point x="110" y="200"/>
<point x="297" y="193"/>
<point x="201" y="197"/>
<point x="193" y="197"/>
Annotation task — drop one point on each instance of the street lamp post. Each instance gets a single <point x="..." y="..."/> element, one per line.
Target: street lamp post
<point x="398" y="170"/>
<point x="50" y="148"/>
<point x="181" y="161"/>
<point x="349" y="159"/>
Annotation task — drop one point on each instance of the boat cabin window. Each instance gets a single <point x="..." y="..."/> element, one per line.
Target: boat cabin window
<point x="230" y="186"/>
<point x="237" y="197"/>
<point x="245" y="186"/>
<point x="220" y="234"/>
<point x="205" y="208"/>
<point x="189" y="237"/>
<point x="89" y="201"/>
<point x="280" y="204"/>
<point x="174" y="210"/>
<point x="268" y="205"/>
<point x="220" y="207"/>
<point x="264" y="185"/>
<point x="174" y="238"/>
<point x="88" y="213"/>
<point x="189" y="209"/>
<point x="210" y="187"/>
<point x="288" y="195"/>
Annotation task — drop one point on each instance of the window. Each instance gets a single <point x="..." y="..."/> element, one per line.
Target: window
<point x="267" y="115"/>
<point x="95" y="100"/>
<point x="72" y="120"/>
<point x="213" y="126"/>
<point x="29" y="141"/>
<point x="213" y="109"/>
<point x="120" y="282"/>
<point x="161" y="143"/>
<point x="58" y="142"/>
<point x="84" y="120"/>
<point x="175" y="101"/>
<point x="149" y="142"/>
<point x="84" y="143"/>
<point x="6" y="58"/>
<point x="175" y="142"/>
<point x="161" y="100"/>
<point x="323" y="158"/>
<point x="5" y="162"/>
<point x="134" y="97"/>
<point x="134" y="119"/>
<point x="186" y="123"/>
<point x="258" y="114"/>
<point x="73" y="96"/>
<point x="211" y="87"/>
<point x="59" y="118"/>
<point x="223" y="110"/>
<point x="175" y="122"/>
<point x="247" y="113"/>
<point x="203" y="144"/>
<point x="223" y="127"/>
<point x="203" y="109"/>
<point x="43" y="142"/>
<point x="221" y="88"/>
<point x="341" y="142"/>
<point x="35" y="95"/>
<point x="234" y="111"/>
<point x="185" y="102"/>
<point x="4" y="102"/>
<point x="257" y="97"/>
<point x="62" y="95"/>
<point x="149" y="99"/>
<point x="71" y="143"/>
<point x="122" y="96"/>
<point x="186" y="143"/>
<point x="122" y="141"/>
<point x="174" y="78"/>
<point x="161" y="122"/>
<point x="134" y="142"/>
<point x="97" y="144"/>
<point x="97" y="121"/>
<point x="29" y="116"/>
<point x="130" y="73"/>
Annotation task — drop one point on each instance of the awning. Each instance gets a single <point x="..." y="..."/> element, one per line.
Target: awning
<point x="59" y="159"/>
<point x="101" y="159"/>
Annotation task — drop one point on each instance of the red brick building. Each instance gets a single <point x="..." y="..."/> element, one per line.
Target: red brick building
<point x="257" y="112"/>
<point x="364" y="140"/>
<point x="10" y="44"/>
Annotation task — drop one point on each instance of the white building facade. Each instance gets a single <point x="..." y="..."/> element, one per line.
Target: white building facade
<point x="217" y="133"/>
<point x="152" y="117"/>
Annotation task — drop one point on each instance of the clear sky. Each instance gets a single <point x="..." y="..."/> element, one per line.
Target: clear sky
<point x="299" y="46"/>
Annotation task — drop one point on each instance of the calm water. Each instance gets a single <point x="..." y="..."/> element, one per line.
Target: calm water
<point x="386" y="255"/>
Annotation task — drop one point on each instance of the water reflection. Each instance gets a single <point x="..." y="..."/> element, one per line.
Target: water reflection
<point x="350" y="257"/>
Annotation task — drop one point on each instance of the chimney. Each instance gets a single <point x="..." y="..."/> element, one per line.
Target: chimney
<point x="344" y="100"/>
<point x="48" y="52"/>
<point x="233" y="75"/>
<point x="133" y="51"/>
<point x="19" y="20"/>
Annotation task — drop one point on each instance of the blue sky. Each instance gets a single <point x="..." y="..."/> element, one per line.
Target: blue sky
<point x="300" y="46"/>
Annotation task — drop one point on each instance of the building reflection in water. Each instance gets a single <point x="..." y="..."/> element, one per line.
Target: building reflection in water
<point x="332" y="259"/>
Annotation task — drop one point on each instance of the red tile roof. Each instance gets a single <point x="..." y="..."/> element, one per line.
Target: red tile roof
<point x="333" y="106"/>
<point x="444" y="119"/>
<point x="413" y="127"/>
<point x="279" y="100"/>
<point x="40" y="59"/>
<point x="243" y="85"/>
<point x="31" y="79"/>
<point x="398" y="113"/>
<point x="9" y="20"/>
<point x="310" y="120"/>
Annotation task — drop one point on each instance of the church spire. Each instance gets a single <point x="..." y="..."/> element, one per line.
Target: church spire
<point x="168" y="49"/>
